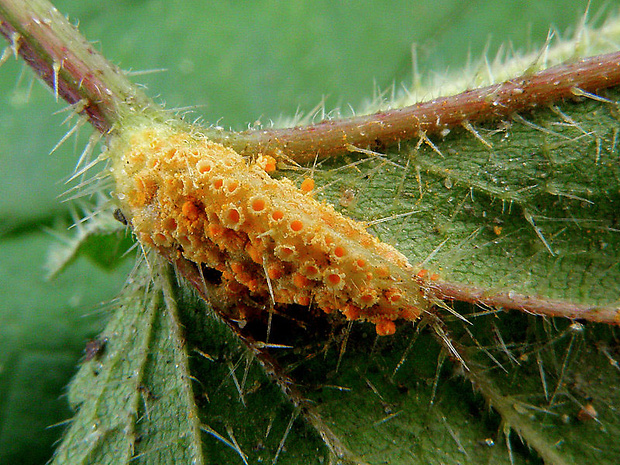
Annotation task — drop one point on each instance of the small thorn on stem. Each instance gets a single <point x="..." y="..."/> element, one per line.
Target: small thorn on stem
<point x="15" y="38"/>
<point x="5" y="55"/>
<point x="56" y="67"/>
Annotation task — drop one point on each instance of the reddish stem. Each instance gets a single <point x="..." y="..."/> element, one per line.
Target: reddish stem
<point x="535" y="305"/>
<point x="68" y="63"/>
<point x="44" y="38"/>
<point x="484" y="104"/>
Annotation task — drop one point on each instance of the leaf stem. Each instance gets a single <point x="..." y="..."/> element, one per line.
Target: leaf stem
<point x="68" y="63"/>
<point x="77" y="72"/>
<point x="531" y="304"/>
<point x="303" y="144"/>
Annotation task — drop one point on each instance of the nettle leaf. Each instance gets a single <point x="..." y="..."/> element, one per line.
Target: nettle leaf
<point x="527" y="204"/>
<point x="133" y="391"/>
<point x="398" y="400"/>
<point x="525" y="389"/>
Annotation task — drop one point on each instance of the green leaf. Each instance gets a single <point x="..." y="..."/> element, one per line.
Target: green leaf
<point x="396" y="400"/>
<point x="134" y="394"/>
<point x="102" y="238"/>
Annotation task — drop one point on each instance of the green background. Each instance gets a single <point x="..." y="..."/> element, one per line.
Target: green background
<point x="234" y="64"/>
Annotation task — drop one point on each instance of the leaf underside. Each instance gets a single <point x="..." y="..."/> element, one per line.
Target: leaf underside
<point x="388" y="400"/>
<point x="535" y="213"/>
<point x="137" y="379"/>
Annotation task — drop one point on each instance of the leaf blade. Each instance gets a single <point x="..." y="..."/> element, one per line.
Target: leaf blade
<point x="127" y="404"/>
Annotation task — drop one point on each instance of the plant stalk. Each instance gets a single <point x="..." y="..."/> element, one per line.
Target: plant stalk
<point x="305" y="143"/>
<point x="68" y="63"/>
<point x="534" y="305"/>
<point x="77" y="72"/>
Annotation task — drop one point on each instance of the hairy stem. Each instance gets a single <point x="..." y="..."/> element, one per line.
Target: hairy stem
<point x="532" y="304"/>
<point x="68" y="63"/>
<point x="77" y="72"/>
<point x="326" y="138"/>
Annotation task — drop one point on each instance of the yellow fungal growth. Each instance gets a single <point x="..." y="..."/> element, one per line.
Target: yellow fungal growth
<point x="269" y="239"/>
<point x="307" y="185"/>
<point x="266" y="162"/>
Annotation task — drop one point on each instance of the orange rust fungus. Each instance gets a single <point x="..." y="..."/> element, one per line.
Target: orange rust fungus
<point x="254" y="254"/>
<point x="233" y="286"/>
<point x="385" y="327"/>
<point x="307" y="185"/>
<point x="232" y="186"/>
<point x="393" y="295"/>
<point x="383" y="271"/>
<point x="434" y="277"/>
<point x="146" y="239"/>
<point x="303" y="300"/>
<point x="237" y="267"/>
<point x="159" y="238"/>
<point x="204" y="166"/>
<point x="287" y="251"/>
<point x="274" y="272"/>
<point x="190" y="210"/>
<point x="200" y="200"/>
<point x="233" y="216"/>
<point x="144" y="193"/>
<point x="258" y="205"/>
<point x="215" y="230"/>
<point x="267" y="163"/>
<point x="497" y="230"/>
<point x="409" y="313"/>
<point x="351" y="312"/>
<point x="170" y="224"/>
<point x="311" y="270"/>
<point x="300" y="280"/>
<point x="339" y="252"/>
<point x="334" y="279"/>
<point x="253" y="285"/>
<point x="296" y="225"/>
<point x="368" y="298"/>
